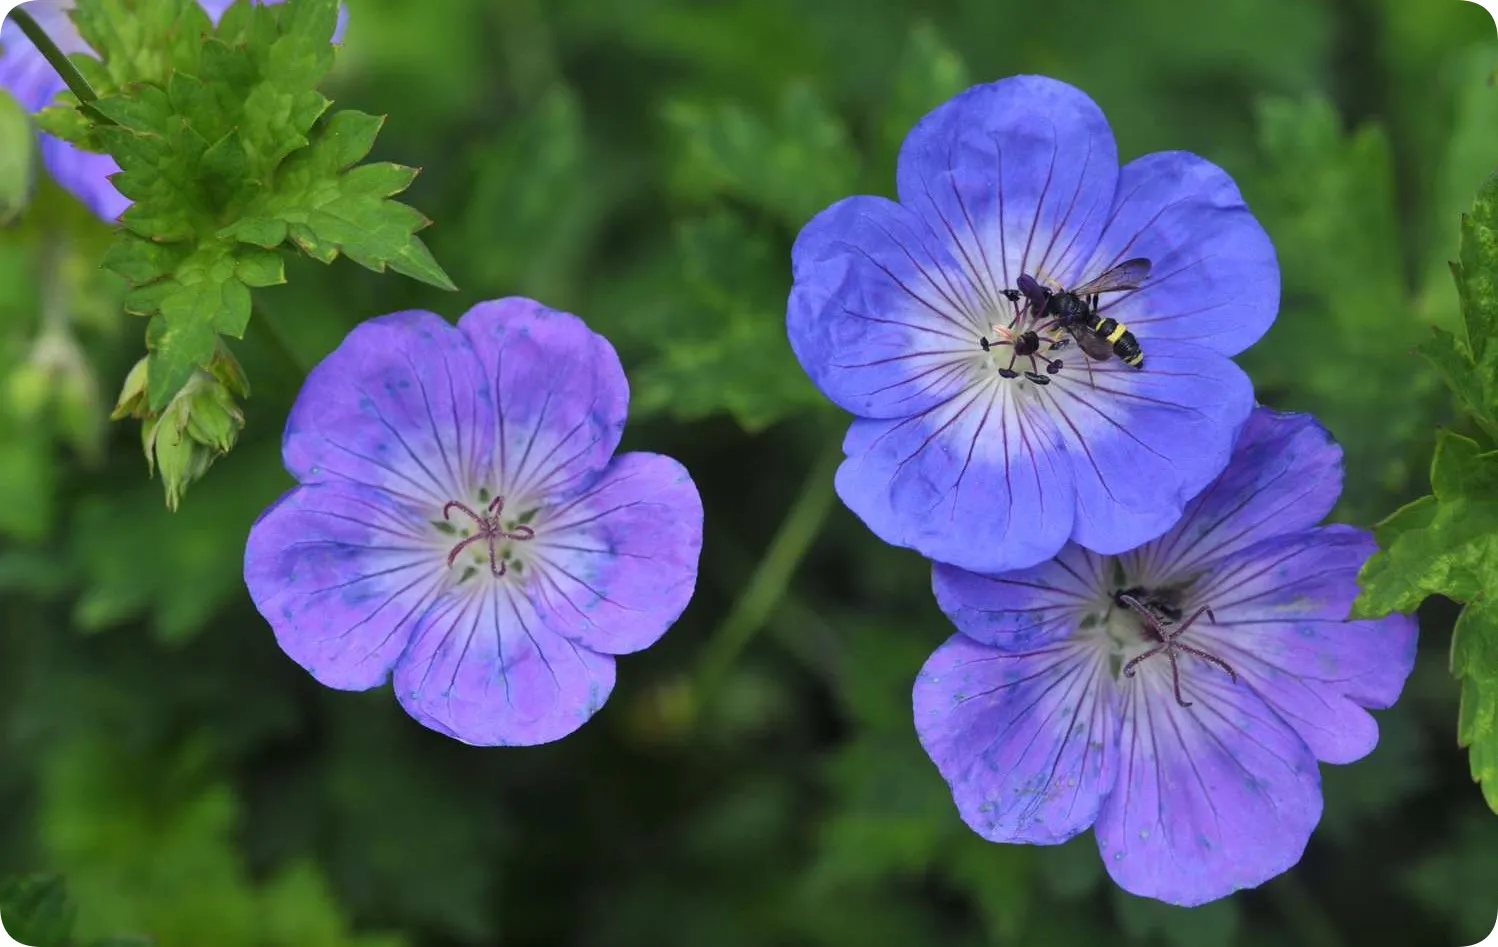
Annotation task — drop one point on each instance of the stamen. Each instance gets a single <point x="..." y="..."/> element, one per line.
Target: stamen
<point x="490" y="530"/>
<point x="1168" y="631"/>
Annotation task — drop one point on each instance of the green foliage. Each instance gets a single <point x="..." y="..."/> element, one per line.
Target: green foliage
<point x="647" y="164"/>
<point x="227" y="154"/>
<point x="17" y="159"/>
<point x="146" y="843"/>
<point x="1447" y="543"/>
<point x="1340" y="347"/>
<point x="36" y="910"/>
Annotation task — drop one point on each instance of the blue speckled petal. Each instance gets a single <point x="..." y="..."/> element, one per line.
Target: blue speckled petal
<point x="1028" y="741"/>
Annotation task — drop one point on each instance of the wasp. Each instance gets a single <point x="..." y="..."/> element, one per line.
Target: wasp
<point x="1075" y="310"/>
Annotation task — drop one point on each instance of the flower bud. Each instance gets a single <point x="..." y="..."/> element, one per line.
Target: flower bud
<point x="200" y="424"/>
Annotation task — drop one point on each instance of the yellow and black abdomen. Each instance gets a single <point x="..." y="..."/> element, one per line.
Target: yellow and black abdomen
<point x="1125" y="346"/>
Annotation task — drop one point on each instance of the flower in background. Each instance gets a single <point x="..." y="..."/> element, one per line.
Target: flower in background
<point x="1177" y="697"/>
<point x="984" y="438"/>
<point x="463" y="524"/>
<point x="34" y="83"/>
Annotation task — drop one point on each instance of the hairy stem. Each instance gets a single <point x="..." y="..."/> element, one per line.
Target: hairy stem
<point x="76" y="83"/>
<point x="767" y="586"/>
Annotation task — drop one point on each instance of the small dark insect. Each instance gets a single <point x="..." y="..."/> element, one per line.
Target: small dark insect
<point x="1075" y="310"/>
<point x="1169" y="633"/>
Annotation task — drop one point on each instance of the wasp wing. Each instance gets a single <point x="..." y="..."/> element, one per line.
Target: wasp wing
<point x="1126" y="275"/>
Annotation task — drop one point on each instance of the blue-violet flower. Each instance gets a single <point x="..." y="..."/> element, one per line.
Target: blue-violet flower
<point x="984" y="438"/>
<point x="34" y="83"/>
<point x="462" y="522"/>
<point x="1178" y="696"/>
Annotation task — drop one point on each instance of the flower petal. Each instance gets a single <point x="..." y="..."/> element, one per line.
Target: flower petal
<point x="1018" y="175"/>
<point x="341" y="576"/>
<point x="484" y="669"/>
<point x="617" y="564"/>
<point x="561" y="392"/>
<point x="1284" y="476"/>
<point x="1280" y="608"/>
<point x="1210" y="798"/>
<point x="1028" y="741"/>
<point x="401" y="404"/>
<point x="979" y="482"/>
<point x="1214" y="277"/>
<point x="1026" y="608"/>
<point x="1143" y="442"/>
<point x="880" y="316"/>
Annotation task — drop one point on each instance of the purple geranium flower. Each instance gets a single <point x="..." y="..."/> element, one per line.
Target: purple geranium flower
<point x="1177" y="696"/>
<point x="462" y="522"/>
<point x="984" y="437"/>
<point x="34" y="83"/>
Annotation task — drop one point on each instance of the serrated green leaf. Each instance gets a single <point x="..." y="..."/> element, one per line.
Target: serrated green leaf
<point x="793" y="167"/>
<point x="143" y="261"/>
<point x="327" y="211"/>
<point x="1448" y="546"/>
<point x="1477" y="273"/>
<point x="141" y="42"/>
<point x="259" y="268"/>
<point x="36" y="910"/>
<point x="1328" y="196"/>
<point x="66" y="123"/>
<point x="261" y="231"/>
<point x="1474" y="662"/>
<point x="181" y="340"/>
<point x="733" y="356"/>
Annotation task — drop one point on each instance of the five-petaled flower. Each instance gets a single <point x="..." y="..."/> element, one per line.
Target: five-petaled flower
<point x="1100" y="690"/>
<point x="462" y="522"/>
<point x="25" y="74"/>
<point x="984" y="437"/>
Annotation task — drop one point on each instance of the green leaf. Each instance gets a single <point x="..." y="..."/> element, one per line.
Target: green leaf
<point x="141" y="41"/>
<point x="728" y="350"/>
<point x="36" y="911"/>
<point x="146" y="836"/>
<point x="792" y="166"/>
<point x="1477" y="272"/>
<point x="327" y="209"/>
<point x="1474" y="662"/>
<point x="1448" y="546"/>
<point x="1346" y="325"/>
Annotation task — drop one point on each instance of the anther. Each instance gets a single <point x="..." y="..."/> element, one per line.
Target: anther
<point x="1037" y="378"/>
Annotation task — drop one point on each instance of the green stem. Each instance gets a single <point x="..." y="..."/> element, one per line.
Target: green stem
<point x="64" y="66"/>
<point x="767" y="587"/>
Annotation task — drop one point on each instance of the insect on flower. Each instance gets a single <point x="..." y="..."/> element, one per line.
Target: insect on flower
<point x="463" y="525"/>
<point x="1176" y="697"/>
<point x="942" y="322"/>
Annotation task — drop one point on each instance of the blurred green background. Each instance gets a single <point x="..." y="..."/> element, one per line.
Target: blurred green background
<point x="755" y="779"/>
